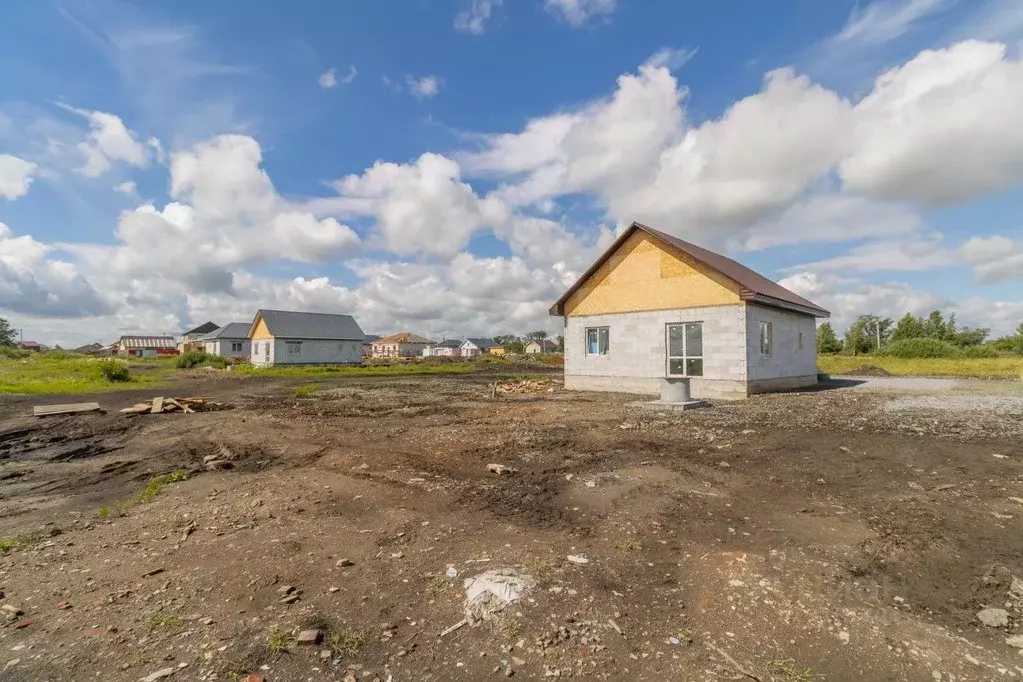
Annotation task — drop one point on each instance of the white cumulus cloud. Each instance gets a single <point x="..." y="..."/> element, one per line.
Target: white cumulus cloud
<point x="578" y="12"/>
<point x="16" y="176"/>
<point x="475" y="15"/>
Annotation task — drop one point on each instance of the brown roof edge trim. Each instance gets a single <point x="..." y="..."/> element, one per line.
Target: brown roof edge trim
<point x="770" y="302"/>
<point x="748" y="280"/>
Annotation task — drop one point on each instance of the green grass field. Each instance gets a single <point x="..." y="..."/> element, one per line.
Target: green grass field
<point x="329" y="371"/>
<point x="983" y="368"/>
<point x="45" y="373"/>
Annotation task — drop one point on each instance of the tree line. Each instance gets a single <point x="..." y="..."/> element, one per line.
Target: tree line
<point x="871" y="334"/>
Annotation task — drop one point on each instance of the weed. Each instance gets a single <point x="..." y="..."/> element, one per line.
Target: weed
<point x="509" y="627"/>
<point x="787" y="669"/>
<point x="139" y="658"/>
<point x="114" y="371"/>
<point x="163" y="621"/>
<point x="307" y="389"/>
<point x="14" y="353"/>
<point x="44" y="373"/>
<point x="538" y="567"/>
<point x="105" y="512"/>
<point x="157" y="484"/>
<point x="985" y="368"/>
<point x="438" y="586"/>
<point x="277" y="641"/>
<point x="345" y="642"/>
<point x="197" y="359"/>
<point x="19" y="542"/>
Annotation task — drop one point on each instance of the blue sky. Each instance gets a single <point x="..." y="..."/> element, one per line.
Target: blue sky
<point x="449" y="166"/>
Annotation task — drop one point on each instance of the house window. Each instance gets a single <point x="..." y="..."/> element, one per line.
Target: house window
<point x="597" y="340"/>
<point x="294" y="348"/>
<point x="236" y="346"/>
<point x="800" y="340"/>
<point x="685" y="349"/>
<point x="766" y="338"/>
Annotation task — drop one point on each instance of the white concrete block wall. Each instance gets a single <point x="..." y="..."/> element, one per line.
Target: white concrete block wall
<point x="786" y="358"/>
<point x="263" y="352"/>
<point x="636" y="359"/>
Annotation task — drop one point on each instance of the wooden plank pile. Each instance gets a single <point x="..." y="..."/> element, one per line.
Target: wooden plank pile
<point x="164" y="405"/>
<point x="526" y="387"/>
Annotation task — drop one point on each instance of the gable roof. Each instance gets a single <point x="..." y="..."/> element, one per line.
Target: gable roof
<point x="287" y="324"/>
<point x="403" y="337"/>
<point x="370" y="338"/>
<point x="231" y="330"/>
<point x="135" y="341"/>
<point x="753" y="287"/>
<point x="482" y="344"/>
<point x="205" y="328"/>
<point x="450" y="343"/>
<point x="543" y="343"/>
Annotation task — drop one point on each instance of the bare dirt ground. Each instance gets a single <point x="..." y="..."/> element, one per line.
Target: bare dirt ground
<point x="839" y="535"/>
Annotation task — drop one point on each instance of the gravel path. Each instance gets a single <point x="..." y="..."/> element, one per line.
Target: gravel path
<point x="900" y="383"/>
<point x="997" y="404"/>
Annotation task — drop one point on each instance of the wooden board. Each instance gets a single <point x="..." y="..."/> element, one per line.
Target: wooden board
<point x="67" y="408"/>
<point x="157" y="405"/>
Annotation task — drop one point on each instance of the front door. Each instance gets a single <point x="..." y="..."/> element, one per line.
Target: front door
<point x="266" y="351"/>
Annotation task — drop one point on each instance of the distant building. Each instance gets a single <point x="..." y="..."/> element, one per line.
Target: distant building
<point x="472" y="347"/>
<point x="401" y="345"/>
<point x="446" y="348"/>
<point x="30" y="345"/>
<point x="145" y="346"/>
<point x="229" y="341"/>
<point x="367" y="345"/>
<point x="284" y="337"/>
<point x="190" y="339"/>
<point x="540" y="346"/>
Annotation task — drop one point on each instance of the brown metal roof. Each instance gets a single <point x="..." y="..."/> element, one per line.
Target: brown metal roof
<point x="403" y="337"/>
<point x="753" y="287"/>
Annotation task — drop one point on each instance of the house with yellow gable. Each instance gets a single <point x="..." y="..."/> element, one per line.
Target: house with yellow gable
<point x="655" y="309"/>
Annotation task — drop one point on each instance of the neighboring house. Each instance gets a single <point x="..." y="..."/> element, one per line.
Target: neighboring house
<point x="446" y="348"/>
<point x="190" y="340"/>
<point x="145" y="346"/>
<point x="283" y="337"/>
<point x="229" y="341"/>
<point x="30" y="345"/>
<point x="367" y="345"/>
<point x="472" y="347"/>
<point x="654" y="307"/>
<point x="89" y="349"/>
<point x="540" y="346"/>
<point x="400" y="345"/>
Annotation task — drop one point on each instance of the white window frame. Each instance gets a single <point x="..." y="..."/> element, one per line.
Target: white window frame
<point x="607" y="340"/>
<point x="685" y="357"/>
<point x="294" y="348"/>
<point x="236" y="346"/>
<point x="766" y="340"/>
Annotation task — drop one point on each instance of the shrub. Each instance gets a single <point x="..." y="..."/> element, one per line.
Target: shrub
<point x="14" y="353"/>
<point x="112" y="370"/>
<point x="198" y="358"/>
<point x="984" y="351"/>
<point x="921" y="348"/>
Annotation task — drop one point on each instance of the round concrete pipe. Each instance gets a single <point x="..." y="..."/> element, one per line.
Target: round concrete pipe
<point x="675" y="391"/>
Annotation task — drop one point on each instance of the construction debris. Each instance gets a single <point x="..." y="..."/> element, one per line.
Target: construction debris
<point x="501" y="469"/>
<point x="527" y="386"/>
<point x="67" y="408"/>
<point x="184" y="405"/>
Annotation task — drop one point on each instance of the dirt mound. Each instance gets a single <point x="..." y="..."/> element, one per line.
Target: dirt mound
<point x="869" y="371"/>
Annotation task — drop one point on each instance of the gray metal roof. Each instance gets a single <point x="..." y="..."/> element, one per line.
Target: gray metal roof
<point x="450" y="343"/>
<point x="205" y="328"/>
<point x="483" y="344"/>
<point x="231" y="330"/>
<point x="287" y="324"/>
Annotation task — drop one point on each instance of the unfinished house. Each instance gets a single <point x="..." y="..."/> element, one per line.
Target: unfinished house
<point x="654" y="307"/>
<point x="284" y="337"/>
<point x="401" y="345"/>
<point x="446" y="348"/>
<point x="472" y="347"/>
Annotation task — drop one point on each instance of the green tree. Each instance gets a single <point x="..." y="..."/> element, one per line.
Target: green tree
<point x="7" y="335"/>
<point x="538" y="335"/>
<point x="968" y="336"/>
<point x="856" y="337"/>
<point x="909" y="327"/>
<point x="827" y="341"/>
<point x="560" y="339"/>
<point x="934" y="326"/>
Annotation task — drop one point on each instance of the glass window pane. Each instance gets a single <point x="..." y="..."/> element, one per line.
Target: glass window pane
<point x="694" y="367"/>
<point x="591" y="341"/>
<point x="675" y="343"/>
<point x="676" y="366"/>
<point x="694" y="340"/>
<point x="604" y="341"/>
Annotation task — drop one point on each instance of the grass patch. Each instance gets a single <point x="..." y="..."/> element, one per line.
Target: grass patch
<point x="787" y="670"/>
<point x="157" y="484"/>
<point x="307" y="389"/>
<point x="65" y="373"/>
<point x="163" y="621"/>
<point x="983" y="368"/>
<point x="326" y="371"/>
<point x="19" y="542"/>
<point x="200" y="359"/>
<point x="345" y="642"/>
<point x="277" y="641"/>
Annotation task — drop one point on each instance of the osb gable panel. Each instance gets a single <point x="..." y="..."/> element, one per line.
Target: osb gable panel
<point x="261" y="331"/>
<point x="646" y="275"/>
